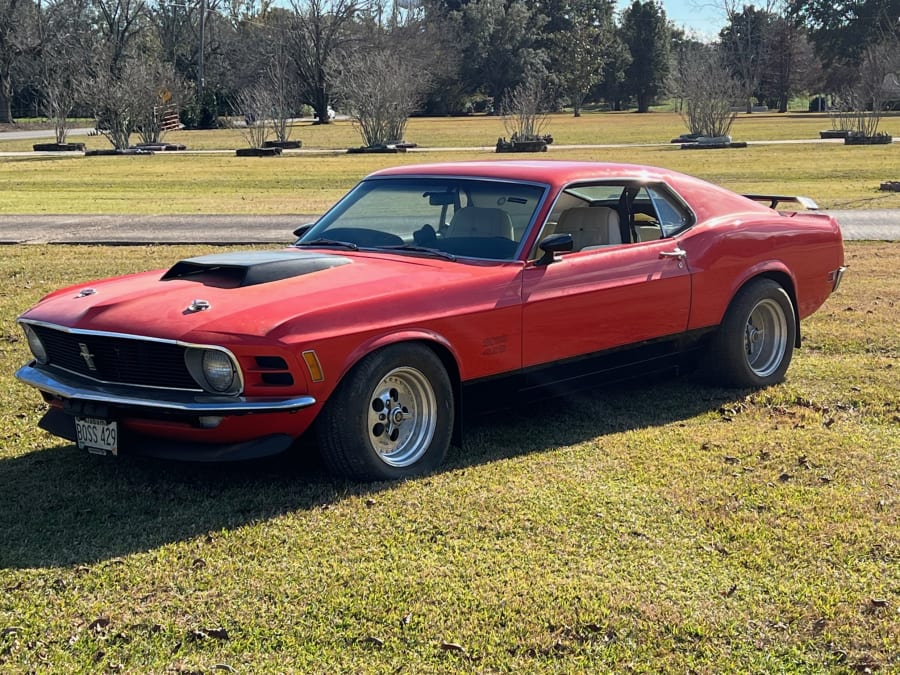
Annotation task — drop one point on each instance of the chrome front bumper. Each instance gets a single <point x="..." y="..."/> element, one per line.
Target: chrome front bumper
<point x="76" y="388"/>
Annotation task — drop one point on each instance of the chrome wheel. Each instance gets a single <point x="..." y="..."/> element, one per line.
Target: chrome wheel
<point x="765" y="337"/>
<point x="391" y="417"/>
<point x="755" y="342"/>
<point x="402" y="416"/>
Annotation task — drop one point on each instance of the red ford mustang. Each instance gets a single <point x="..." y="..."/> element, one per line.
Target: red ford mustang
<point x="427" y="290"/>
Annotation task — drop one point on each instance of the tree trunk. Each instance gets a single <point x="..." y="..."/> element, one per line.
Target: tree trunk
<point x="643" y="102"/>
<point x="321" y="107"/>
<point x="577" y="99"/>
<point x="5" y="104"/>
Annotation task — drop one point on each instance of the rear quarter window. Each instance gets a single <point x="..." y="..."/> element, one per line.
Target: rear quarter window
<point x="673" y="217"/>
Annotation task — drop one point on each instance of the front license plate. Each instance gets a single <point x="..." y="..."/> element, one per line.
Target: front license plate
<point x="97" y="436"/>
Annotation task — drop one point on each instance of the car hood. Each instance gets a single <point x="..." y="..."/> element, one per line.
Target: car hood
<point x="269" y="294"/>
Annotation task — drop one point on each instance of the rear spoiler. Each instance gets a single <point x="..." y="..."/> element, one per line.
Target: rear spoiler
<point x="775" y="200"/>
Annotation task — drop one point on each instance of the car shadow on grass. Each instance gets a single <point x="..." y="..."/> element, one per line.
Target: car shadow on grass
<point x="63" y="506"/>
<point x="576" y="418"/>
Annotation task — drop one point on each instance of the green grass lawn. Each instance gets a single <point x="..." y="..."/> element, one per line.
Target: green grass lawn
<point x="661" y="527"/>
<point x="835" y="175"/>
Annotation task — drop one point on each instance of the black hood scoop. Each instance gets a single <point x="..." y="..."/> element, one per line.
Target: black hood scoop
<point x="250" y="268"/>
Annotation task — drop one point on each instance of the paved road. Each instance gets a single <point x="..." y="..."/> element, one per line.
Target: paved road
<point x="88" y="229"/>
<point x="877" y="225"/>
<point x="36" y="134"/>
<point x="227" y="229"/>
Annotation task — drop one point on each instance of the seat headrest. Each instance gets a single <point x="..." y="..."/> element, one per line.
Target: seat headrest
<point x="475" y="221"/>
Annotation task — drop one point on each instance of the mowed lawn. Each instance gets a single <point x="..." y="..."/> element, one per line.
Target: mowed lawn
<point x="213" y="180"/>
<point x="661" y="527"/>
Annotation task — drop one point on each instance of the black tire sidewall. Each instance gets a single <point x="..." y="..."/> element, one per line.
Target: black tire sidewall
<point x="341" y="429"/>
<point x="728" y="360"/>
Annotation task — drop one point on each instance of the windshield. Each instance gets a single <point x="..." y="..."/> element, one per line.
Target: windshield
<point x="474" y="218"/>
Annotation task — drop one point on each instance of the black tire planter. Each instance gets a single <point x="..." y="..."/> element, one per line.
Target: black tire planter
<point x="58" y="147"/>
<point x="284" y="145"/>
<point x="376" y="149"/>
<point x="528" y="144"/>
<point x="257" y="152"/>
<point x="834" y="133"/>
<point x="686" y="138"/>
<point x="713" y="146"/>
<point x="161" y="147"/>
<point x="115" y="153"/>
<point x="523" y="146"/>
<point x="880" y="139"/>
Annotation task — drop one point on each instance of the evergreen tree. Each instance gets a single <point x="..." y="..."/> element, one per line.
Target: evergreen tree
<point x="646" y="32"/>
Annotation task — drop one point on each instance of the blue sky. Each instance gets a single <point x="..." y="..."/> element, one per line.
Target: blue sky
<point x="703" y="17"/>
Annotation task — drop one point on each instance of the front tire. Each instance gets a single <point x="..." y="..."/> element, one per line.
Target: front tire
<point x="391" y="417"/>
<point x="754" y="345"/>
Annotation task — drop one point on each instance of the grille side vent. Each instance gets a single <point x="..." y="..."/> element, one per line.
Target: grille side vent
<point x="274" y="371"/>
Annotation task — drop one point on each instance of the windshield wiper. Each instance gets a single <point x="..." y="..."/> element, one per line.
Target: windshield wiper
<point x="329" y="242"/>
<point x="421" y="249"/>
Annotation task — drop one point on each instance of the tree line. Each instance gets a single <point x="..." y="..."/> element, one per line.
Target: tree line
<point x="121" y="60"/>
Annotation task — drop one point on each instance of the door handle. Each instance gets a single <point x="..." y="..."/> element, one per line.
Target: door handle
<point x="679" y="253"/>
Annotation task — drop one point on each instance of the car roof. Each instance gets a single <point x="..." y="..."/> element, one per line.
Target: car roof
<point x="553" y="172"/>
<point x="706" y="199"/>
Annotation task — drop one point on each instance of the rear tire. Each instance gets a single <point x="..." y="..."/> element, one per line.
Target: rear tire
<point x="390" y="418"/>
<point x="754" y="345"/>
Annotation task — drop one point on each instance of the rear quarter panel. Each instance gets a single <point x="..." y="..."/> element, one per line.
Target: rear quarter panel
<point x="727" y="252"/>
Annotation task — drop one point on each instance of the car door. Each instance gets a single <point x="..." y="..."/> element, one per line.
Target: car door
<point x="608" y="297"/>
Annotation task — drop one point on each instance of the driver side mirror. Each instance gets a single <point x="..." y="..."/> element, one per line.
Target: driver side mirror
<point x="554" y="244"/>
<point x="303" y="229"/>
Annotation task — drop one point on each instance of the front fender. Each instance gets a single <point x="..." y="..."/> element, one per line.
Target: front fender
<point x="408" y="335"/>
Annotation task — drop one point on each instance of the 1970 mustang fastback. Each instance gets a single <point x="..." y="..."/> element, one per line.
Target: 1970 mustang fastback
<point x="425" y="291"/>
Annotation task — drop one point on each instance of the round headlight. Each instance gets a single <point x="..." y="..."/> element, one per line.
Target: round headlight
<point x="35" y="344"/>
<point x="218" y="370"/>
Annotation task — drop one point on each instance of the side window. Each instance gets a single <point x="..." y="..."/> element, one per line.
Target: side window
<point x="612" y="213"/>
<point x="645" y="224"/>
<point x="672" y="216"/>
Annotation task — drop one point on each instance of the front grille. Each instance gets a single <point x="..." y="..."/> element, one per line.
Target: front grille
<point x="116" y="359"/>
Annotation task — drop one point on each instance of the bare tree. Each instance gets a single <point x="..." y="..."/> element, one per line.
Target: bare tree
<point x="279" y="76"/>
<point x="14" y="43"/>
<point x="157" y="91"/>
<point x="119" y="23"/>
<point x="524" y="110"/>
<point x="790" y="64"/>
<point x="63" y="29"/>
<point x="115" y="116"/>
<point x="255" y="104"/>
<point x="59" y="97"/>
<point x="380" y="88"/>
<point x="745" y="43"/>
<point x="841" y="112"/>
<point x="319" y="32"/>
<point x="124" y="103"/>
<point x="707" y="88"/>
<point x="868" y="98"/>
